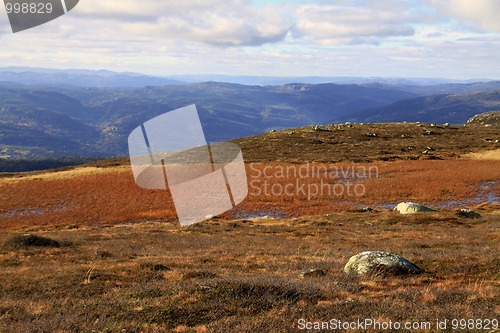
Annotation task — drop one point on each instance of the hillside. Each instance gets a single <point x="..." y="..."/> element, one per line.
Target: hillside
<point x="369" y="142"/>
<point x="485" y="119"/>
<point x="453" y="109"/>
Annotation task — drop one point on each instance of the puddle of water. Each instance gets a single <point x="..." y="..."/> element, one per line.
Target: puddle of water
<point x="486" y="194"/>
<point x="271" y="214"/>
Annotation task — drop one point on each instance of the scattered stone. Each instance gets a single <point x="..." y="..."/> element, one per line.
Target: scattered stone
<point x="372" y="135"/>
<point x="469" y="213"/>
<point x="428" y="132"/>
<point x="411" y="208"/>
<point x="425" y="152"/>
<point x="320" y="128"/>
<point x="380" y="263"/>
<point x="312" y="273"/>
<point x="430" y="148"/>
<point x="365" y="210"/>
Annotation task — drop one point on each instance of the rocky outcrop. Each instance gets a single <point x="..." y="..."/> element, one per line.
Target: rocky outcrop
<point x="488" y="119"/>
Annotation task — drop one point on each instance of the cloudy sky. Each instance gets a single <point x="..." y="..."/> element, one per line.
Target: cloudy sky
<point x="457" y="39"/>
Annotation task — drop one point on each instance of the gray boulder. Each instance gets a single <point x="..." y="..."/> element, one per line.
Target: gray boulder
<point x="411" y="208"/>
<point x="380" y="263"/>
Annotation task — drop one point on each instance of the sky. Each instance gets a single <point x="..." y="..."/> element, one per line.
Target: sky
<point x="454" y="39"/>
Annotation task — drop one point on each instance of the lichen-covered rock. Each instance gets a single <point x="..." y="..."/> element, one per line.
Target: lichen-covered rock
<point x="469" y="213"/>
<point x="411" y="208"/>
<point x="380" y="263"/>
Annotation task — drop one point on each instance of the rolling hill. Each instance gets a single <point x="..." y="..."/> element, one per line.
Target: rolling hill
<point x="454" y="109"/>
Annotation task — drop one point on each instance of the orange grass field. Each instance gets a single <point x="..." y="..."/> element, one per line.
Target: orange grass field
<point x="101" y="196"/>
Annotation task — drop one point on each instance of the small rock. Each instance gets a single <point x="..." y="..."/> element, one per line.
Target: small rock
<point x="447" y="125"/>
<point x="380" y="263"/>
<point x="209" y="217"/>
<point x="372" y="135"/>
<point x="312" y="273"/>
<point x="272" y="131"/>
<point x="411" y="208"/>
<point x="365" y="210"/>
<point x="469" y="213"/>
<point x="425" y="152"/>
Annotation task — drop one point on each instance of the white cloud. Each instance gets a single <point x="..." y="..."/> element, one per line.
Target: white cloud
<point x="363" y="37"/>
<point x="483" y="13"/>
<point x="336" y="25"/>
<point x="220" y="23"/>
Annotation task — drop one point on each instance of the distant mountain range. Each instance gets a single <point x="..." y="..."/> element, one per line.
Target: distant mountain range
<point x="53" y="119"/>
<point x="105" y="78"/>
<point x="80" y="78"/>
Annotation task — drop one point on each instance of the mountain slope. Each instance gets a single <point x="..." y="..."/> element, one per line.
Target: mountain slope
<point x="454" y="109"/>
